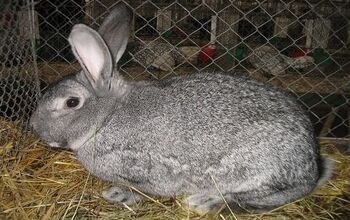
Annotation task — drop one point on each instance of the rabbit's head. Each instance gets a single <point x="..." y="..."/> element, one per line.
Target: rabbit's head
<point x="71" y="110"/>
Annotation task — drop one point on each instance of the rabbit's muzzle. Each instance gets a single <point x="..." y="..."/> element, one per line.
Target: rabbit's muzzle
<point x="36" y="123"/>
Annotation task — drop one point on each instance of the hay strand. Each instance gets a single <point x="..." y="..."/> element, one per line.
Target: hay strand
<point x="37" y="182"/>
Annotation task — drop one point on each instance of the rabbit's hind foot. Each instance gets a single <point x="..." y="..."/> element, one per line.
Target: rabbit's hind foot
<point x="204" y="203"/>
<point x="121" y="195"/>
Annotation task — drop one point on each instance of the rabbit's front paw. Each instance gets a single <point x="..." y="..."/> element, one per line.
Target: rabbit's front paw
<point x="203" y="203"/>
<point x="119" y="195"/>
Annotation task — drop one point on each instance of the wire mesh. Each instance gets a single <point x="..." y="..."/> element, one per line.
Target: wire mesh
<point x="18" y="85"/>
<point x="299" y="46"/>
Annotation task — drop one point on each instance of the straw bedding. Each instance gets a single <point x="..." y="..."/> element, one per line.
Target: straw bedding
<point x="37" y="182"/>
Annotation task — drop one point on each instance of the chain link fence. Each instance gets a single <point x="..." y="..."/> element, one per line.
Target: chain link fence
<point x="18" y="90"/>
<point x="300" y="46"/>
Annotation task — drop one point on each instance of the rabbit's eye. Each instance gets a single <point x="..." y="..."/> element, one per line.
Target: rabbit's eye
<point x="72" y="102"/>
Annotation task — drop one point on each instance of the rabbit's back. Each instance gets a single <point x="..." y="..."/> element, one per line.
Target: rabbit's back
<point x="212" y="111"/>
<point x="214" y="100"/>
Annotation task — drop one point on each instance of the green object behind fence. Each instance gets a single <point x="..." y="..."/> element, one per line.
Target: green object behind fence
<point x="322" y="57"/>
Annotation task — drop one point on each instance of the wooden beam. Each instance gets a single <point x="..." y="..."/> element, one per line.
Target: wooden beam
<point x="227" y="28"/>
<point x="213" y="26"/>
<point x="163" y="20"/>
<point x="317" y="33"/>
<point x="327" y="126"/>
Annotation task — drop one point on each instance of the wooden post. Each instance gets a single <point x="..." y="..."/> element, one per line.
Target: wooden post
<point x="327" y="126"/>
<point x="132" y="30"/>
<point x="163" y="20"/>
<point x="308" y="32"/>
<point x="227" y="28"/>
<point x="89" y="6"/>
<point x="317" y="33"/>
<point x="213" y="29"/>
<point x="24" y="24"/>
<point x="347" y="151"/>
<point x="348" y="32"/>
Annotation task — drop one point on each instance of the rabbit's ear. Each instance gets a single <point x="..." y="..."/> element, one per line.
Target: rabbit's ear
<point x="94" y="56"/>
<point x="115" y="29"/>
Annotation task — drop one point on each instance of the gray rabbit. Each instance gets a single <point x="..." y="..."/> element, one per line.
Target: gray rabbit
<point x="158" y="54"/>
<point x="212" y="137"/>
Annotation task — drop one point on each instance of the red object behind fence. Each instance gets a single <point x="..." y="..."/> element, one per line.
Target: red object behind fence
<point x="207" y="53"/>
<point x="299" y="52"/>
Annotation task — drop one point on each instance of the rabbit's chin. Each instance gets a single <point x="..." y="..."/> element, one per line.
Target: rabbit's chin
<point x="54" y="144"/>
<point x="73" y="146"/>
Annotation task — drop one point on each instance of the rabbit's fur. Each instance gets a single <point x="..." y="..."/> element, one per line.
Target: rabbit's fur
<point x="211" y="136"/>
